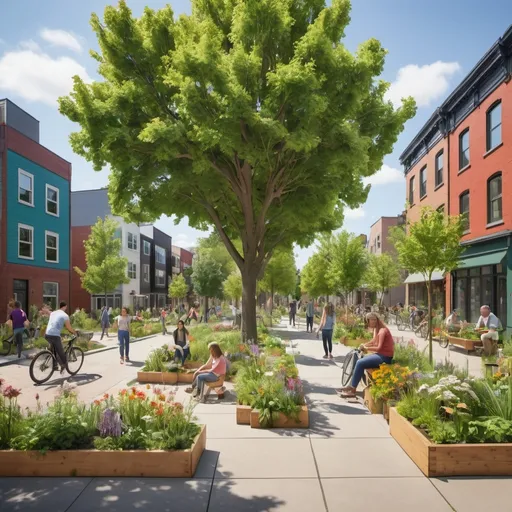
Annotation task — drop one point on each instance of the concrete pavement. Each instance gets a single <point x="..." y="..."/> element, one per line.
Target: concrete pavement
<point x="345" y="461"/>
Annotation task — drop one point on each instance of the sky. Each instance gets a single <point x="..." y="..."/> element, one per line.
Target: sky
<point x="431" y="47"/>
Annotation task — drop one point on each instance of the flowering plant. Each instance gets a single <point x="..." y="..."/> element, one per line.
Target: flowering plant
<point x="390" y="380"/>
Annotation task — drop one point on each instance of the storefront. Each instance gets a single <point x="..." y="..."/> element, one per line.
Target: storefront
<point x="482" y="279"/>
<point x="416" y="291"/>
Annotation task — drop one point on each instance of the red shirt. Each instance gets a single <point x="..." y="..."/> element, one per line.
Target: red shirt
<point x="388" y="346"/>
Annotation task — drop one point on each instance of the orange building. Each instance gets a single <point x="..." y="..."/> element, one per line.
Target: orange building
<point x="460" y="162"/>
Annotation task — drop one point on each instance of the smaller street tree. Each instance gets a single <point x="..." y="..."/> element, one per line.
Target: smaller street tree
<point x="207" y="278"/>
<point x="233" y="287"/>
<point x="432" y="244"/>
<point x="178" y="288"/>
<point x="105" y="269"/>
<point x="313" y="277"/>
<point x="383" y="273"/>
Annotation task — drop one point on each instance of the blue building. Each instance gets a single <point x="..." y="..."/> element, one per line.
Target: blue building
<point x="34" y="214"/>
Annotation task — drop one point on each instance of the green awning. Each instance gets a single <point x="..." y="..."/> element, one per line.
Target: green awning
<point x="493" y="258"/>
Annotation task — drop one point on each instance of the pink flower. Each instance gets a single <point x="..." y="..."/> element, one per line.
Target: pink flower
<point x="10" y="392"/>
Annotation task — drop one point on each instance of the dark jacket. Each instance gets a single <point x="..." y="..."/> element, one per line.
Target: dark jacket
<point x="181" y="343"/>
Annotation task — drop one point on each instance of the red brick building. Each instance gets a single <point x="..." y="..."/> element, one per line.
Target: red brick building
<point x="460" y="161"/>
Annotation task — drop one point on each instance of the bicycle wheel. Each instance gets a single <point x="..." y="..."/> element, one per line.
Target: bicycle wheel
<point x="41" y="367"/>
<point x="443" y="341"/>
<point x="75" y="357"/>
<point x="423" y="331"/>
<point x="348" y="367"/>
<point x="6" y="347"/>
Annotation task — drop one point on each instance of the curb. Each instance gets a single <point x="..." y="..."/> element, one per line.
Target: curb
<point x="89" y="352"/>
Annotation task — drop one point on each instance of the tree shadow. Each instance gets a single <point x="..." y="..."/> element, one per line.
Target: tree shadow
<point x="79" y="380"/>
<point x="312" y="361"/>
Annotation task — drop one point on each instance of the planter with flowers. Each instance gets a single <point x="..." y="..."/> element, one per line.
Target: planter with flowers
<point x="468" y="338"/>
<point x="457" y="426"/>
<point x="161" y="368"/>
<point x="136" y="433"/>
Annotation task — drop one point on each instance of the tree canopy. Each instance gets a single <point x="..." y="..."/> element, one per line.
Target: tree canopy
<point x="235" y="116"/>
<point x="105" y="268"/>
<point x="280" y="274"/>
<point x="383" y="273"/>
<point x="314" y="276"/>
<point x="178" y="288"/>
<point x="233" y="286"/>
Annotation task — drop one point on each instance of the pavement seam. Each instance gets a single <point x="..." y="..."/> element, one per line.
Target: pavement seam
<point x="318" y="476"/>
<point x="212" y="483"/>
<point x="440" y="493"/>
<point x="80" y="493"/>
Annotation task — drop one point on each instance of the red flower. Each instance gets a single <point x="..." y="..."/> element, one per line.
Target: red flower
<point x="105" y="396"/>
<point x="153" y="404"/>
<point x="96" y="402"/>
<point x="141" y="395"/>
<point x="37" y="396"/>
<point x="159" y="411"/>
<point x="123" y="392"/>
<point x="10" y="392"/>
<point x="134" y="390"/>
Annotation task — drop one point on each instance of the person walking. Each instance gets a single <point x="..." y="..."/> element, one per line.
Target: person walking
<point x="105" y="322"/>
<point x="491" y="323"/>
<point x="123" y="322"/>
<point x="292" y="311"/>
<point x="310" y="314"/>
<point x="327" y="326"/>
<point x="163" y="316"/>
<point x="19" y="322"/>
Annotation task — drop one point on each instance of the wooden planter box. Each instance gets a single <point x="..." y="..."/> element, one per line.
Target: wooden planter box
<point x="374" y="406"/>
<point x="157" y="377"/>
<point x="243" y="414"/>
<point x="95" y="463"/>
<point x="436" y="460"/>
<point x="283" y="421"/>
<point x="185" y="378"/>
<point x="468" y="345"/>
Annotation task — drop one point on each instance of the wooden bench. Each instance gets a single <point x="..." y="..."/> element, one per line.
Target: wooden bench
<point x="217" y="386"/>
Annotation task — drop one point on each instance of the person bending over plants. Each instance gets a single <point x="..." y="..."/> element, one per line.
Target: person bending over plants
<point x="382" y="347"/>
<point x="212" y="371"/>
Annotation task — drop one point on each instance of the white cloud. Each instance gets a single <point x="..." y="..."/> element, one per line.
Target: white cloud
<point x="385" y="176"/>
<point x="30" y="45"/>
<point x="356" y="213"/>
<point x="36" y="76"/>
<point x="424" y="83"/>
<point x="61" y="38"/>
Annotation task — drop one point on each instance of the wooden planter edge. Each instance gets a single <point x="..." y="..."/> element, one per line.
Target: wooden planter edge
<point x="283" y="421"/>
<point x="96" y="463"/>
<point x="436" y="460"/>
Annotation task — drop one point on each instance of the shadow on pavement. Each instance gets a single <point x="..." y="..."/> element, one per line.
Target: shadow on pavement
<point x="79" y="380"/>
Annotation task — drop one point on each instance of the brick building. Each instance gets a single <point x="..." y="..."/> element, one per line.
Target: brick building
<point x="34" y="214"/>
<point x="460" y="161"/>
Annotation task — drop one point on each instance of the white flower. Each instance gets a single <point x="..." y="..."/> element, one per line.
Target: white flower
<point x="423" y="388"/>
<point x="447" y="396"/>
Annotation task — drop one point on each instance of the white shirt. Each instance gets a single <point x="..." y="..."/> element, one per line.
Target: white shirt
<point x="491" y="322"/>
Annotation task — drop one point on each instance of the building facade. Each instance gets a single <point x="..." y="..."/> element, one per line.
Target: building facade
<point x="86" y="207"/>
<point x="34" y="214"/>
<point x="470" y="138"/>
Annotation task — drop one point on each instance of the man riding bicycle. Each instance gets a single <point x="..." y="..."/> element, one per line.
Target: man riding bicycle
<point x="58" y="320"/>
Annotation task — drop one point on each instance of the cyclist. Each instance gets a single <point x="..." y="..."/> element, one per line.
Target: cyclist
<point x="58" y="320"/>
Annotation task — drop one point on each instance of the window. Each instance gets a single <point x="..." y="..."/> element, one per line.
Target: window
<point x="132" y="241"/>
<point x="51" y="294"/>
<point x="494" y="126"/>
<point x="25" y="188"/>
<point x="494" y="203"/>
<point x="25" y="242"/>
<point x="464" y="149"/>
<point x="423" y="182"/>
<point x="440" y="209"/>
<point x="411" y="190"/>
<point x="464" y="208"/>
<point x="132" y="270"/>
<point x="145" y="272"/>
<point x="159" y="254"/>
<point x="147" y="248"/>
<point x="52" y="200"/>
<point x="159" y="277"/>
<point x="378" y="241"/>
<point x="51" y="247"/>
<point x="439" y="168"/>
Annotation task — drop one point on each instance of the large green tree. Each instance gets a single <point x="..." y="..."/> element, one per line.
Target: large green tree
<point x="105" y="268"/>
<point x="280" y="276"/>
<point x="382" y="274"/>
<point x="239" y="115"/>
<point x="207" y="278"/>
<point x="432" y="244"/>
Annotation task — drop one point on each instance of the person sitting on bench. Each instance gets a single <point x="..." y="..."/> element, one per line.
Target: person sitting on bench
<point x="212" y="371"/>
<point x="181" y="340"/>
<point x="453" y="322"/>
<point x="383" y="347"/>
<point x="490" y="322"/>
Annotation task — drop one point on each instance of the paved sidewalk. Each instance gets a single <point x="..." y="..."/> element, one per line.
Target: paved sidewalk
<point x="346" y="461"/>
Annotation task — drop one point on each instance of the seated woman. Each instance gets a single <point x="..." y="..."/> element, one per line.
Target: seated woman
<point x="383" y="348"/>
<point x="212" y="371"/>
<point x="182" y="342"/>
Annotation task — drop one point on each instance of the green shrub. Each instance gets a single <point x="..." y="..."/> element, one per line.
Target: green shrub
<point x="411" y="357"/>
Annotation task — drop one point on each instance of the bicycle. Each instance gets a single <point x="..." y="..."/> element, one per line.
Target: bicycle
<point x="8" y="344"/>
<point x="349" y="364"/>
<point x="46" y="362"/>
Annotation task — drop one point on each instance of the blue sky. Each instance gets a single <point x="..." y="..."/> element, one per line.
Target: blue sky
<point x="432" y="46"/>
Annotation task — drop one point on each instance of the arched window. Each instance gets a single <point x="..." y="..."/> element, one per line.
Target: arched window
<point x="464" y="208"/>
<point x="493" y="124"/>
<point x="494" y="200"/>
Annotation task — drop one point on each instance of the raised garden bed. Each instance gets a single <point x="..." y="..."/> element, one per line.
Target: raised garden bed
<point x="243" y="414"/>
<point x="469" y="345"/>
<point x="435" y="460"/>
<point x="374" y="406"/>
<point x="157" y="377"/>
<point x="95" y="463"/>
<point x="283" y="421"/>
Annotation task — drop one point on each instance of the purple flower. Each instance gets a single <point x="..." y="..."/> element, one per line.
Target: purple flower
<point x="255" y="350"/>
<point x="110" y="424"/>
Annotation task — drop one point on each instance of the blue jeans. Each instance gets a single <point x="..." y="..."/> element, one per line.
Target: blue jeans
<point x="124" y="343"/>
<point x="201" y="379"/>
<point x="327" y="340"/>
<point x="178" y="356"/>
<point x="365" y="363"/>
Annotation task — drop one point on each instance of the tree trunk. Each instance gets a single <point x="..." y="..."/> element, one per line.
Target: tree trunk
<point x="271" y="303"/>
<point x="205" y="316"/>
<point x="429" y="299"/>
<point x="249" y="325"/>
